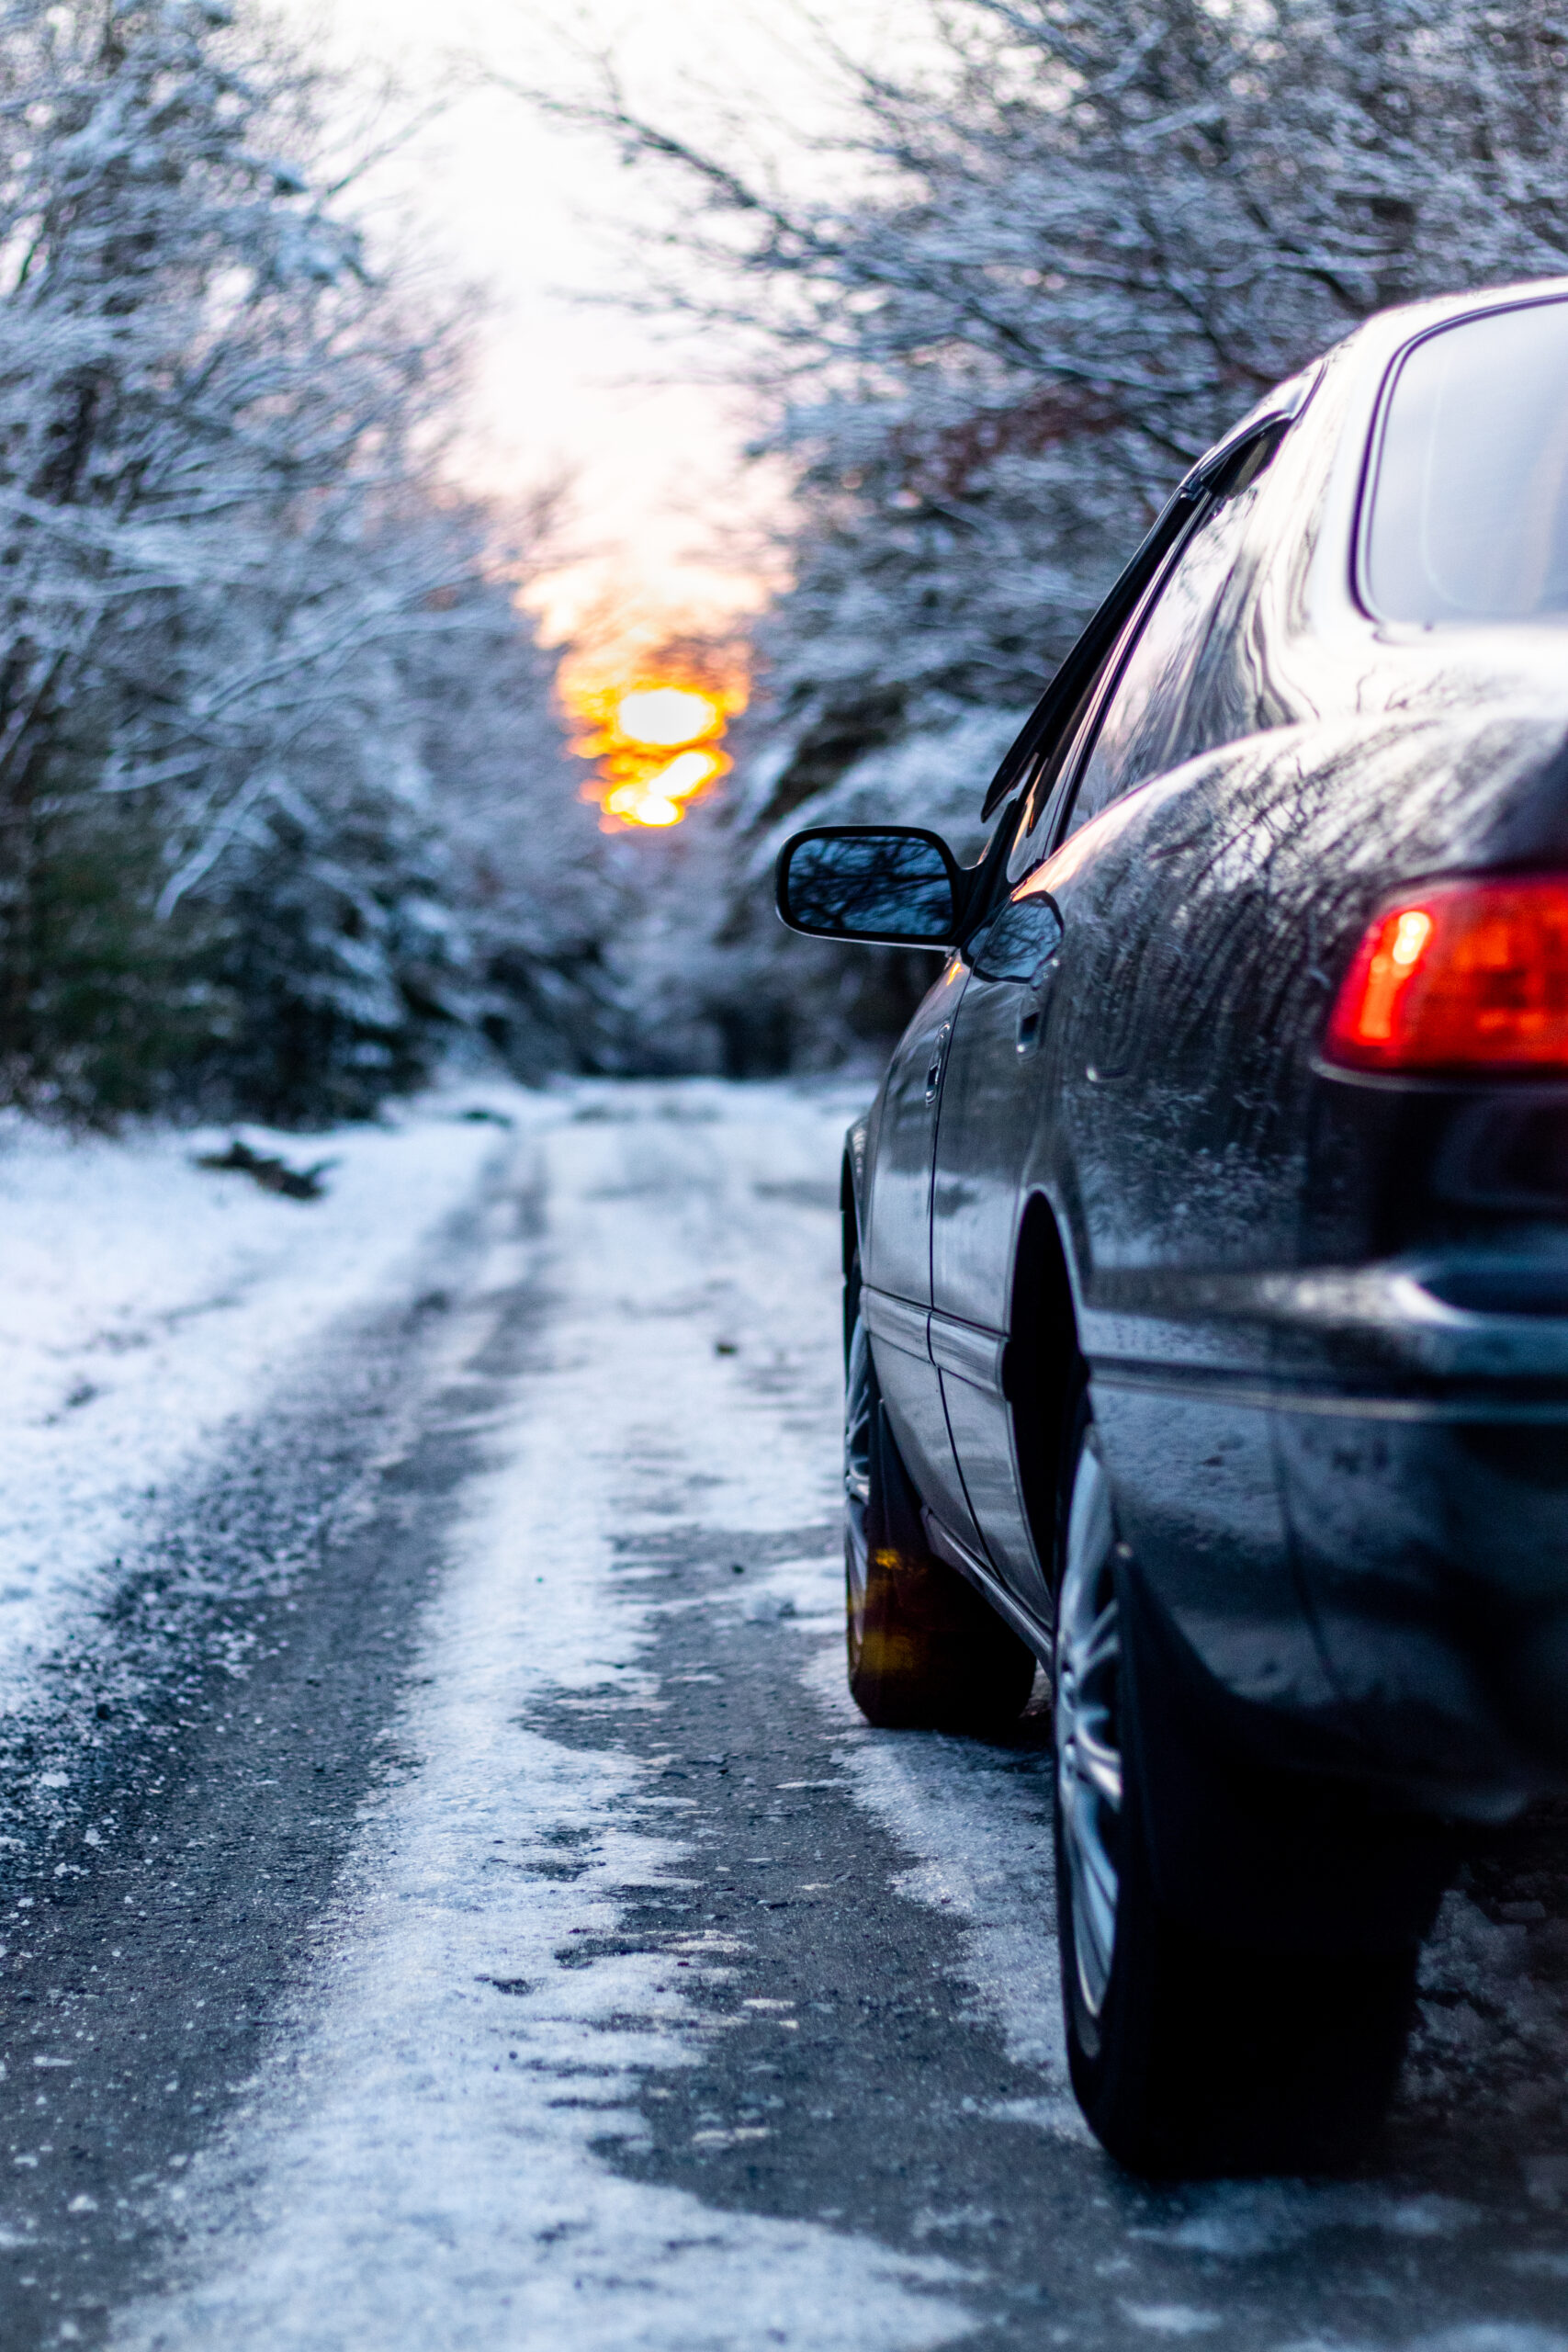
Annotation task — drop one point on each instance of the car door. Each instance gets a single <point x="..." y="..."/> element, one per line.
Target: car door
<point x="1010" y="1100"/>
<point x="896" y="1244"/>
<point x="990" y="1115"/>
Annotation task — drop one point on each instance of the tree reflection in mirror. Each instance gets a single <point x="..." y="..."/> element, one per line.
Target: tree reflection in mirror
<point x="859" y="883"/>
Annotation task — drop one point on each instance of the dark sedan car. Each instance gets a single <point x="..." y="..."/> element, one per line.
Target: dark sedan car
<point x="1207" y="1244"/>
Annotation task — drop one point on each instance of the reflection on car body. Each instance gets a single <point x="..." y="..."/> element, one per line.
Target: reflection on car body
<point x="1207" y="1244"/>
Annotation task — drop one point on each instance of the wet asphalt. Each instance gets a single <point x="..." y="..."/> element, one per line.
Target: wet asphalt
<point x="162" y="1917"/>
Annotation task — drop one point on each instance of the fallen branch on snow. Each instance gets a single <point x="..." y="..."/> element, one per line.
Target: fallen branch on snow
<point x="273" y="1175"/>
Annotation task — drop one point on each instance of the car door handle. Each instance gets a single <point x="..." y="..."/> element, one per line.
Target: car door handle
<point x="938" y="1051"/>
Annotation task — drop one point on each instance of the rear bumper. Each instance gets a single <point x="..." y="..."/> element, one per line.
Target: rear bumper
<point x="1356" y="1516"/>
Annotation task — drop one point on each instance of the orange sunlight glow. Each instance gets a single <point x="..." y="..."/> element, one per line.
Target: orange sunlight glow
<point x="633" y="725"/>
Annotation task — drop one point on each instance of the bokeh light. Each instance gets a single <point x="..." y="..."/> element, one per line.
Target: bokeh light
<point x="633" y="724"/>
<point x="667" y="716"/>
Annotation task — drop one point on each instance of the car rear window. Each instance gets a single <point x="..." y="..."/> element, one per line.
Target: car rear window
<point x="1469" y="517"/>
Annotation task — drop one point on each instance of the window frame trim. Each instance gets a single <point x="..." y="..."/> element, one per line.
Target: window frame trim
<point x="1079" y="667"/>
<point x="1082" y="726"/>
<point x="1219" y="483"/>
<point x="1080" y="740"/>
<point x="1083" y="674"/>
<point x="1271" y="420"/>
<point x="1115" y="669"/>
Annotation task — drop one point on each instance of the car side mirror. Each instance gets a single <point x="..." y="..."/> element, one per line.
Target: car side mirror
<point x="893" y="883"/>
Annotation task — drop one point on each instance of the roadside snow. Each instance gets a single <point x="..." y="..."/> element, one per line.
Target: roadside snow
<point x="145" y="1302"/>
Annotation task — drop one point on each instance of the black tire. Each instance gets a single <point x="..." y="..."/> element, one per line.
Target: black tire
<point x="925" y="1651"/>
<point x="1190" y="2056"/>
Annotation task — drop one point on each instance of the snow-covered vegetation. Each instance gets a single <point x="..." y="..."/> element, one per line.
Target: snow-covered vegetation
<point x="1077" y="241"/>
<point x="282" y="800"/>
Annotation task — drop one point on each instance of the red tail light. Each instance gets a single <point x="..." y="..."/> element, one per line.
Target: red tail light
<point x="1460" y="976"/>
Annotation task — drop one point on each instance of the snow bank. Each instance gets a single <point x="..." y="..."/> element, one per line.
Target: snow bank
<point x="146" y="1302"/>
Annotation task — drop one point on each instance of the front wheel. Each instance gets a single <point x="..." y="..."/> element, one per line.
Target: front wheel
<point x="1189" y="2054"/>
<point x="925" y="1651"/>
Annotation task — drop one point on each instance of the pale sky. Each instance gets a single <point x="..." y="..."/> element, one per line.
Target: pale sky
<point x="514" y="203"/>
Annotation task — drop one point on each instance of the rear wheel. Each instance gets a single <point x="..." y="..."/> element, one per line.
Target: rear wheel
<point x="1190" y="2055"/>
<point x="925" y="1651"/>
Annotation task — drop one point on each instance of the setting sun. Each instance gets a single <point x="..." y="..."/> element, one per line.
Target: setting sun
<point x="635" y="725"/>
<point x="667" y="716"/>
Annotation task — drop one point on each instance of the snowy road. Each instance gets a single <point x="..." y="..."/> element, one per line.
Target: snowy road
<point x="480" y="1920"/>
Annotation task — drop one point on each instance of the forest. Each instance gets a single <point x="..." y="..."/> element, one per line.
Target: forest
<point x="288" y="807"/>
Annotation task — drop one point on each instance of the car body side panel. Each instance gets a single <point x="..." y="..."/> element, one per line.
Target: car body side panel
<point x="1183" y="1177"/>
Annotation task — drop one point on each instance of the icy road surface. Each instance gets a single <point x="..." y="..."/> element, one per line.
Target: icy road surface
<point x="465" y="1910"/>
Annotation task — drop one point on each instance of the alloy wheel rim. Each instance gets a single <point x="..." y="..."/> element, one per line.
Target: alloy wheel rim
<point x="1089" y="1752"/>
<point x="859" y="1405"/>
